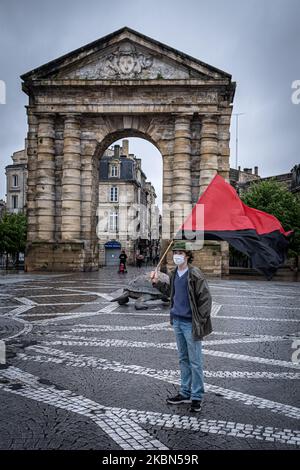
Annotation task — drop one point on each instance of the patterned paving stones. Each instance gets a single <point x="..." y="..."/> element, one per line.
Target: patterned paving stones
<point x="109" y="368"/>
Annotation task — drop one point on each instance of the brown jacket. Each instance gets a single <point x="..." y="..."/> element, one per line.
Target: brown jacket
<point x="199" y="297"/>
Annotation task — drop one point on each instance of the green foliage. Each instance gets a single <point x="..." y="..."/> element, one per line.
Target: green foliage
<point x="13" y="228"/>
<point x="272" y="197"/>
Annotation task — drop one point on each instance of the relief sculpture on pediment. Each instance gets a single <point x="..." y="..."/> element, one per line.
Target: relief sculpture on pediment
<point x="126" y="62"/>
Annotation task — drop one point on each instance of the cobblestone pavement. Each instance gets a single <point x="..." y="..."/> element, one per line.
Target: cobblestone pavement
<point x="85" y="373"/>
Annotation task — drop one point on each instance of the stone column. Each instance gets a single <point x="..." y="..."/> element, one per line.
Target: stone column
<point x="224" y="149"/>
<point x="167" y="201"/>
<point x="31" y="180"/>
<point x="208" y="151"/>
<point x="167" y="178"/>
<point x="89" y="202"/>
<point x="181" y="194"/>
<point x="45" y="179"/>
<point x="195" y="157"/>
<point x="210" y="257"/>
<point x="59" y="155"/>
<point x="223" y="170"/>
<point x="182" y="160"/>
<point x="71" y="181"/>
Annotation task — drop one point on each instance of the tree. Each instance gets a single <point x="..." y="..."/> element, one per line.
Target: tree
<point x="13" y="229"/>
<point x="272" y="197"/>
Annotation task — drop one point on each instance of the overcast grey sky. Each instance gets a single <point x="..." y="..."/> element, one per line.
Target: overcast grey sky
<point x="257" y="41"/>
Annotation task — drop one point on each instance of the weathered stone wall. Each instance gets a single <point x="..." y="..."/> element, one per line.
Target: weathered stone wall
<point x="63" y="199"/>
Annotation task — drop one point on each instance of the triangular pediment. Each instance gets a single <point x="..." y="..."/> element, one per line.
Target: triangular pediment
<point x="128" y="60"/>
<point x="126" y="54"/>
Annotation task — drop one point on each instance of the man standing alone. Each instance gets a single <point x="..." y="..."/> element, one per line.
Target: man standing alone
<point x="191" y="302"/>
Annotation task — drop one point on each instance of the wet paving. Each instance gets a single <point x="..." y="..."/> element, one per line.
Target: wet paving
<point x="82" y="372"/>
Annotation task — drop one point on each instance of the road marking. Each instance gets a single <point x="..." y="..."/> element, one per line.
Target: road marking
<point x="251" y="339"/>
<point x="8" y="306"/>
<point x="61" y="295"/>
<point x="69" y="359"/>
<point x="273" y="307"/>
<point x="98" y="294"/>
<point x="73" y="315"/>
<point x="215" y="309"/>
<point x="69" y="340"/>
<point x="257" y="360"/>
<point x="107" y="310"/>
<point x="124" y="431"/>
<point x="27" y="288"/>
<point x="95" y="328"/>
<point x="264" y="296"/>
<point x="251" y="375"/>
<point x="232" y="317"/>
<point x="26" y="329"/>
<point x="124" y="426"/>
<point x="27" y="304"/>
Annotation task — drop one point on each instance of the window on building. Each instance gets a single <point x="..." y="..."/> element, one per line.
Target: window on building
<point x="114" y="170"/>
<point x="15" y="202"/>
<point x="113" y="221"/>
<point x="114" y="194"/>
<point x="15" y="180"/>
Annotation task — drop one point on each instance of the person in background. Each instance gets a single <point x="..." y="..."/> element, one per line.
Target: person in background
<point x="123" y="259"/>
<point x="139" y="259"/>
<point x="191" y="303"/>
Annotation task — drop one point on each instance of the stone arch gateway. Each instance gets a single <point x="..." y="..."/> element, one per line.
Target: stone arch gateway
<point x="124" y="84"/>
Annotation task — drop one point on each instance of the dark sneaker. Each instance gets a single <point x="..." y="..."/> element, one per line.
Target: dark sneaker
<point x="196" y="406"/>
<point x="178" y="399"/>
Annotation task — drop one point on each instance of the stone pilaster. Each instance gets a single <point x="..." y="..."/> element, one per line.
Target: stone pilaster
<point x="208" y="151"/>
<point x="45" y="179"/>
<point x="71" y="180"/>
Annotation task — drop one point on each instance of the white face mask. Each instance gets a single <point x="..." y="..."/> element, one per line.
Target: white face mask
<point x="178" y="259"/>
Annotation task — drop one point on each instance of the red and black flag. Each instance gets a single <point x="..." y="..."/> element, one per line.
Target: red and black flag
<point x="255" y="233"/>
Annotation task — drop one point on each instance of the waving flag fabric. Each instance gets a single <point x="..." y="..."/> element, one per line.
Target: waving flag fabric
<point x="255" y="233"/>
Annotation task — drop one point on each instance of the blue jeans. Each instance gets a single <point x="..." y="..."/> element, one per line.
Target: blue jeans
<point x="190" y="360"/>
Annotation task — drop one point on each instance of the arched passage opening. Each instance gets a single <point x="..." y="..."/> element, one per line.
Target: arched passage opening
<point x="128" y="196"/>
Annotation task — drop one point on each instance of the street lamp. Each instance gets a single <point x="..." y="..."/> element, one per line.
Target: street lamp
<point x="237" y="137"/>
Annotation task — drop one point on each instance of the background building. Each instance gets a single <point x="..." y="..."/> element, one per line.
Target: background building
<point x="128" y="217"/>
<point x="241" y="180"/>
<point x="2" y="207"/>
<point x="16" y="181"/>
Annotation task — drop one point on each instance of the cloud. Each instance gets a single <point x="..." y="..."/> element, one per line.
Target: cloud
<point x="257" y="42"/>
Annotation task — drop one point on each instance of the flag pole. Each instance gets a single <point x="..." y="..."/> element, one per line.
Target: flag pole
<point x="163" y="256"/>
